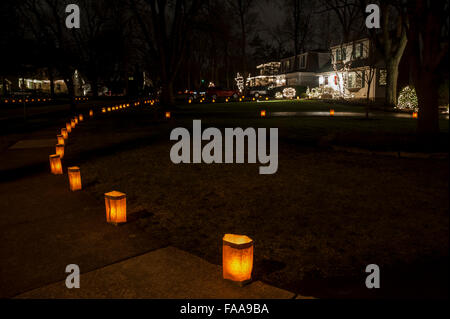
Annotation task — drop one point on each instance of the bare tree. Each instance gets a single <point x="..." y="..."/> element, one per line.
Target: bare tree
<point x="367" y="75"/>
<point x="167" y="31"/>
<point x="45" y="19"/>
<point x="298" y="25"/>
<point x="246" y="21"/>
<point x="350" y="20"/>
<point x="349" y="16"/>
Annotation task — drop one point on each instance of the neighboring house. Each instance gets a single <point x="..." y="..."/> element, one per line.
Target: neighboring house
<point x="353" y="67"/>
<point x="36" y="82"/>
<point x="303" y="72"/>
<point x="352" y="70"/>
<point x="267" y="75"/>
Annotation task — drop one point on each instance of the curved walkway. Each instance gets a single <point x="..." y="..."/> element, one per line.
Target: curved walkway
<point x="45" y="227"/>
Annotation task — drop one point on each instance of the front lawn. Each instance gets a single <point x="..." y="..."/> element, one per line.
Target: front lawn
<point x="316" y="223"/>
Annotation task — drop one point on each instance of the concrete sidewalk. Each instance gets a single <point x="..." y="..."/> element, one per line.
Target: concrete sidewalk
<point x="44" y="226"/>
<point x="163" y="273"/>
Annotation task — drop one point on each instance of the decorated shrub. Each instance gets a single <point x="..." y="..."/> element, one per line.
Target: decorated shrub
<point x="407" y="99"/>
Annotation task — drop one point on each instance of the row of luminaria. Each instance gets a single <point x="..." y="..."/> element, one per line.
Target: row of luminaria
<point x="237" y="250"/>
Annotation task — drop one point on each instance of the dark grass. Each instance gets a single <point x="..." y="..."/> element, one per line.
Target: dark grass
<point x="380" y="131"/>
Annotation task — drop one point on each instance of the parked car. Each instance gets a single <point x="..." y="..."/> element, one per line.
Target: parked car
<point x="216" y="92"/>
<point x="186" y="95"/>
<point x="258" y="91"/>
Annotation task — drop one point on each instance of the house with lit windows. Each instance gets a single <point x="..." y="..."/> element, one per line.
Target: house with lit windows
<point x="303" y="70"/>
<point x="34" y="81"/>
<point x="354" y="71"/>
<point x="266" y="75"/>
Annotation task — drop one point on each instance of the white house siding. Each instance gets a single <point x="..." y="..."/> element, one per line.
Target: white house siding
<point x="377" y="91"/>
<point x="302" y="79"/>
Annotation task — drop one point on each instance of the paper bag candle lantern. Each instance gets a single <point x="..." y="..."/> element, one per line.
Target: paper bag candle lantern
<point x="60" y="150"/>
<point x="414" y="115"/>
<point x="116" y="207"/>
<point x="237" y="258"/>
<point x="68" y="127"/>
<point x="64" y="134"/>
<point x="74" y="178"/>
<point x="91" y="113"/>
<point x="331" y="112"/>
<point x="55" y="164"/>
<point x="76" y="120"/>
<point x="263" y="113"/>
<point x="60" y="139"/>
<point x="80" y="117"/>
<point x="167" y="115"/>
<point x="72" y="123"/>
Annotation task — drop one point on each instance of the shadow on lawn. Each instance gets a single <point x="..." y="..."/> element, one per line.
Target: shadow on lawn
<point x="403" y="281"/>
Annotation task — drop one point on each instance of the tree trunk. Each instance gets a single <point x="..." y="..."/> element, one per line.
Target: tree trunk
<point x="4" y="91"/>
<point x="391" y="85"/>
<point x="427" y="95"/>
<point x="71" y="93"/>
<point x="427" y="22"/>
<point x="52" y="82"/>
<point x="94" y="87"/>
<point x="368" y="98"/>
<point x="167" y="97"/>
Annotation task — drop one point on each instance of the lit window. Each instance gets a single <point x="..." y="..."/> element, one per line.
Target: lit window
<point x="338" y="55"/>
<point x="354" y="80"/>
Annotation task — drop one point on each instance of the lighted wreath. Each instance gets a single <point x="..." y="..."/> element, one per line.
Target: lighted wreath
<point x="289" y="93"/>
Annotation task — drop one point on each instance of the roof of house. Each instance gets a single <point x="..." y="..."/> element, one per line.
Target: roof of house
<point x="359" y="38"/>
<point x="312" y="62"/>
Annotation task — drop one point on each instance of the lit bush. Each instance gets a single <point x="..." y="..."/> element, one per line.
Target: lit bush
<point x="289" y="93"/>
<point x="407" y="99"/>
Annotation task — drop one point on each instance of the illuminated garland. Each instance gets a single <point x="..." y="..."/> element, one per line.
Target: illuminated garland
<point x="239" y="82"/>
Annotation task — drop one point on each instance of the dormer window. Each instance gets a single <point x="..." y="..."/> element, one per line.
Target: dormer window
<point x="358" y="53"/>
<point x="338" y="55"/>
<point x="303" y="61"/>
<point x="341" y="54"/>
